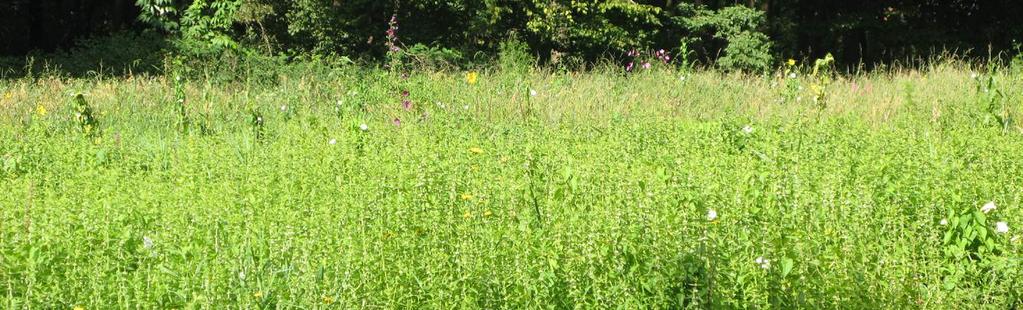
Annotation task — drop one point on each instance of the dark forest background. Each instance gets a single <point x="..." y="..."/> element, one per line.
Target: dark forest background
<point x="733" y="35"/>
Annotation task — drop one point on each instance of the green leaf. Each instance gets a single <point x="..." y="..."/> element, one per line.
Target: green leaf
<point x="786" y="266"/>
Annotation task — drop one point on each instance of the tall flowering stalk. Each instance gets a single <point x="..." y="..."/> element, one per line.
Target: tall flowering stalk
<point x="393" y="43"/>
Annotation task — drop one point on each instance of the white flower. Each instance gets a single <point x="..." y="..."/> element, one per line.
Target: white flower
<point x="988" y="207"/>
<point x="682" y="78"/>
<point x="1001" y="227"/>
<point x="747" y="129"/>
<point x="466" y="107"/>
<point x="792" y="75"/>
<point x="943" y="222"/>
<point x="763" y="262"/>
<point x="973" y="75"/>
<point x="284" y="108"/>
<point x="241" y="275"/>
<point x="440" y="104"/>
<point x="712" y="215"/>
<point x="332" y="141"/>
<point x="363" y="127"/>
<point x="259" y="119"/>
<point x="147" y="242"/>
<point x="532" y="93"/>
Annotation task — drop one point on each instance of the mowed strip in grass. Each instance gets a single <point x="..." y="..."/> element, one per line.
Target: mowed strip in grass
<point x="654" y="190"/>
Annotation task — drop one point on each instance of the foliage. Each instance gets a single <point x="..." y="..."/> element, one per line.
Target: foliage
<point x="746" y="48"/>
<point x="304" y="193"/>
<point x="592" y="27"/>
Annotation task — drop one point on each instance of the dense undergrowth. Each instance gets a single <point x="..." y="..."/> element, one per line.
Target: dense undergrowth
<point x="353" y="188"/>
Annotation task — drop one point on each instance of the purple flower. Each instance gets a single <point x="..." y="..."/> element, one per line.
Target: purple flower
<point x="646" y="65"/>
<point x="406" y="104"/>
<point x="396" y="122"/>
<point x="404" y="94"/>
<point x="629" y="66"/>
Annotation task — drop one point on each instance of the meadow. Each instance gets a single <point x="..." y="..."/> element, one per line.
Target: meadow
<point x="357" y="188"/>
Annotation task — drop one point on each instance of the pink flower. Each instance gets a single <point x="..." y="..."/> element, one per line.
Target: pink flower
<point x="396" y="122"/>
<point x="404" y="94"/>
<point x="646" y="65"/>
<point x="406" y="104"/>
<point x="629" y="66"/>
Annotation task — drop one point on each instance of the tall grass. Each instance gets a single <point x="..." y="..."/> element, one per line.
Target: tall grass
<point x="534" y="190"/>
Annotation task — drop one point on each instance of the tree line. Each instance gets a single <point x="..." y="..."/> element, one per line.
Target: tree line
<point x="733" y="35"/>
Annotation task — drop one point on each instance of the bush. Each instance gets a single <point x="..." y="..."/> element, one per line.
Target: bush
<point x="738" y="28"/>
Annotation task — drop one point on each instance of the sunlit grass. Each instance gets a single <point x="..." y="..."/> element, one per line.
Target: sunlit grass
<point x="659" y="189"/>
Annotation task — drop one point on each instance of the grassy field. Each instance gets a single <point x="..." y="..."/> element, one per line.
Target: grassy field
<point x="659" y="189"/>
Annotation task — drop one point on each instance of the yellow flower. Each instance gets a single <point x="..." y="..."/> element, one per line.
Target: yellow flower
<point x="8" y="95"/>
<point x="466" y="197"/>
<point x="471" y="77"/>
<point x="258" y="294"/>
<point x="476" y="150"/>
<point x="467" y="215"/>
<point x="487" y="213"/>
<point x="328" y="299"/>
<point x="79" y="308"/>
<point x="41" y="110"/>
<point x="791" y="62"/>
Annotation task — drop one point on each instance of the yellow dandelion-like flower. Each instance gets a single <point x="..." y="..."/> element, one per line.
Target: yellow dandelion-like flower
<point x="8" y="96"/>
<point x="466" y="197"/>
<point x="467" y="215"/>
<point x="328" y="299"/>
<point x="41" y="110"/>
<point x="79" y="308"/>
<point x="258" y="294"/>
<point x="487" y="213"/>
<point x="791" y="62"/>
<point x="471" y="77"/>
<point x="476" y="150"/>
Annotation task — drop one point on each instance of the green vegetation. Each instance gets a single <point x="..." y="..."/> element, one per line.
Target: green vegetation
<point x="329" y="187"/>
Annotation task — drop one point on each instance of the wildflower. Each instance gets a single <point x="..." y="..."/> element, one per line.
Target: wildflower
<point x="628" y="66"/>
<point x="396" y="122"/>
<point x="467" y="215"/>
<point x="466" y="107"/>
<point x="328" y="299"/>
<point x="747" y="129"/>
<point x="476" y="150"/>
<point x="646" y="65"/>
<point x="973" y="75"/>
<point x="241" y="275"/>
<point x="791" y="62"/>
<point x="363" y="127"/>
<point x="682" y="78"/>
<point x="712" y="215"/>
<point x="79" y="308"/>
<point x="792" y="75"/>
<point x="147" y="242"/>
<point x="258" y="294"/>
<point x="466" y="196"/>
<point x="404" y="94"/>
<point x="471" y="77"/>
<point x="487" y="213"/>
<point x="943" y="222"/>
<point x="763" y="262"/>
<point x="1001" y="227"/>
<point x="284" y="108"/>
<point x="332" y="141"/>
<point x="988" y="207"/>
<point x="532" y="93"/>
<point x="406" y="104"/>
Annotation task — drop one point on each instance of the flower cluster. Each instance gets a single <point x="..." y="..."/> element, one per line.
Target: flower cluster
<point x="392" y="35"/>
<point x="634" y="56"/>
